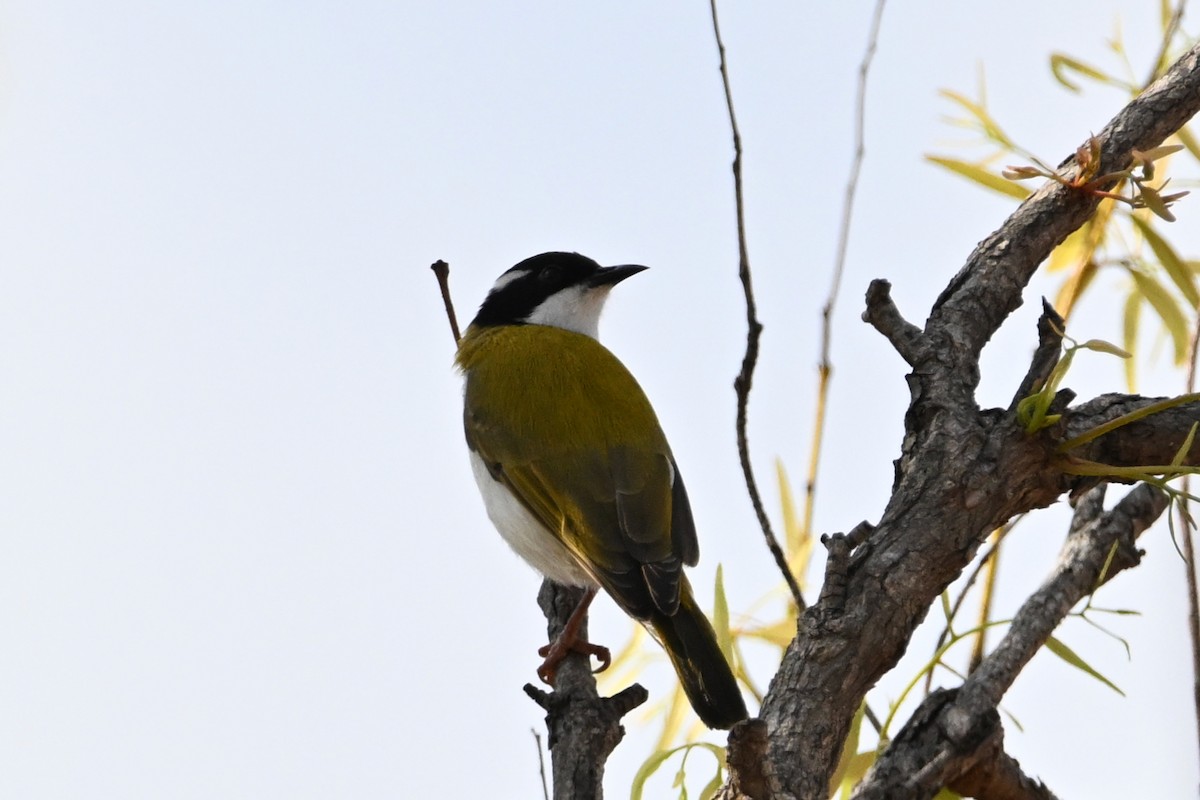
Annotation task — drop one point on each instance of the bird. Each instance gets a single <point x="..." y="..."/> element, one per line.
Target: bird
<point x="575" y="470"/>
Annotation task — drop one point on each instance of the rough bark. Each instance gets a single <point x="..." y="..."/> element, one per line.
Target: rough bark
<point x="584" y="727"/>
<point x="955" y="739"/>
<point x="962" y="472"/>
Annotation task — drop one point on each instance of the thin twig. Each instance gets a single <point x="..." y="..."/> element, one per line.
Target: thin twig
<point x="442" y="270"/>
<point x="537" y="738"/>
<point x="1187" y="535"/>
<point x="745" y="378"/>
<point x="825" y="368"/>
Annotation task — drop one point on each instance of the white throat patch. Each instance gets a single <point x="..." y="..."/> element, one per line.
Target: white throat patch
<point x="576" y="308"/>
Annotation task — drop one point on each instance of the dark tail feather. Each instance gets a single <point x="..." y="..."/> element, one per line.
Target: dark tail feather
<point x="689" y="640"/>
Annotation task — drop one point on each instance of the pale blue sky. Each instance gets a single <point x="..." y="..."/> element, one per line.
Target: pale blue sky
<point x="243" y="553"/>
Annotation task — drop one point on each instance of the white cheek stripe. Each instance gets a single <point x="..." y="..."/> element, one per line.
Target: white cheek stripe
<point x="506" y="279"/>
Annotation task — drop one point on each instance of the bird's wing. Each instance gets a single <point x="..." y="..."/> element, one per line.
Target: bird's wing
<point x="623" y="514"/>
<point x="622" y="511"/>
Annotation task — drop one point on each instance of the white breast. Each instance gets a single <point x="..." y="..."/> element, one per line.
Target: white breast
<point x="524" y="533"/>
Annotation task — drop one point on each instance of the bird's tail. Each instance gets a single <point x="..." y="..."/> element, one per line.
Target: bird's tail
<point x="690" y="641"/>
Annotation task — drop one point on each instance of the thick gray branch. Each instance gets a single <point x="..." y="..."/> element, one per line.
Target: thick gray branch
<point x="947" y="737"/>
<point x="962" y="471"/>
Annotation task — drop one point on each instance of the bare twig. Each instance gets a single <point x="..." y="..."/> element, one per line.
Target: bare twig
<point x="442" y="270"/>
<point x="537" y="740"/>
<point x="745" y="378"/>
<point x="1187" y="536"/>
<point x="825" y="368"/>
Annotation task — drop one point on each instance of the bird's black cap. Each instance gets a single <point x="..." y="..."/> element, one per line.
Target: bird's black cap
<point x="525" y="286"/>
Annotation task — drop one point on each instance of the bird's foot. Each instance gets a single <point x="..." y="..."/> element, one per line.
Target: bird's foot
<point x="559" y="649"/>
<point x="571" y="641"/>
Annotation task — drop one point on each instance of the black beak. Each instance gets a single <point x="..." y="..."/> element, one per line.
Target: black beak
<point x="611" y="276"/>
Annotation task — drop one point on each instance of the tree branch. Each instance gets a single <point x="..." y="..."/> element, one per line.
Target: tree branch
<point x="989" y="286"/>
<point x="962" y="471"/>
<point x="943" y="740"/>
<point x="584" y="727"/>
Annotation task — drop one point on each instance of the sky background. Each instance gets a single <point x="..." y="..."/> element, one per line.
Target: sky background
<point x="243" y="555"/>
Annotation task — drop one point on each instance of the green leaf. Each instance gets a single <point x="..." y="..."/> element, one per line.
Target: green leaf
<point x="1189" y="141"/>
<point x="648" y="768"/>
<point x="990" y="127"/>
<point x="799" y="541"/>
<point x="1061" y="64"/>
<point x="1070" y="252"/>
<point x="856" y="768"/>
<point x="841" y="775"/>
<point x="1101" y="346"/>
<point x="1133" y="313"/>
<point x="1155" y="202"/>
<point x="1170" y="260"/>
<point x="1071" y="657"/>
<point x="1185" y="448"/>
<point x="977" y="174"/>
<point x="1168" y="311"/>
<point x="712" y="787"/>
<point x="720" y="616"/>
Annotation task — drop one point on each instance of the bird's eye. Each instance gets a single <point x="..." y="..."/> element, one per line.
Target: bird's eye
<point x="550" y="274"/>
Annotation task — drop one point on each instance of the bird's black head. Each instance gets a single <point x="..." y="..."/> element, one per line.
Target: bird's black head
<point x="566" y="290"/>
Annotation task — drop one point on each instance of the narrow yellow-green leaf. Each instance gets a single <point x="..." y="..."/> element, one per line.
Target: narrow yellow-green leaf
<point x="1185" y="448"/>
<point x="1101" y="346"/>
<point x="1170" y="260"/>
<point x="1157" y="153"/>
<point x="1189" y="141"/>
<point x="798" y="541"/>
<point x="1070" y="252"/>
<point x="977" y="174"/>
<point x="648" y="768"/>
<point x="677" y="709"/>
<point x="1071" y="657"/>
<point x="1074" y="287"/>
<point x="856" y="769"/>
<point x="1168" y="311"/>
<point x="1133" y="313"/>
<point x="712" y="787"/>
<point x="1154" y="201"/>
<point x="849" y="749"/>
<point x="1060" y="64"/>
<point x="989" y="125"/>
<point x="778" y="633"/>
<point x="720" y="616"/>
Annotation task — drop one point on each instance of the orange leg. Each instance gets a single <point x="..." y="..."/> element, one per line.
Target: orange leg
<point x="569" y="642"/>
